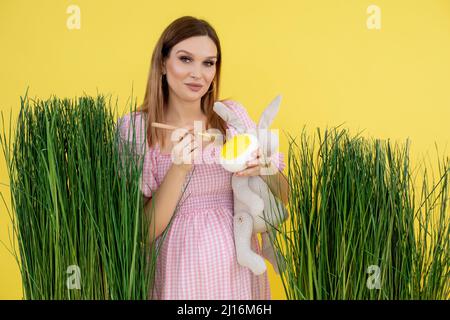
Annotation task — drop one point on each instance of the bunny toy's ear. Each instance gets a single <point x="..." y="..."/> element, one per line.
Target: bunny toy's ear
<point x="269" y="113"/>
<point x="229" y="116"/>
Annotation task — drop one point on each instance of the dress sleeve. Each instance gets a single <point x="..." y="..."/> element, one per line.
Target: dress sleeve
<point x="132" y="135"/>
<point x="278" y="157"/>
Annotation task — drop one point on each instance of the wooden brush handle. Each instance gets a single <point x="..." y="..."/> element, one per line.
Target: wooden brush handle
<point x="169" y="127"/>
<point x="163" y="126"/>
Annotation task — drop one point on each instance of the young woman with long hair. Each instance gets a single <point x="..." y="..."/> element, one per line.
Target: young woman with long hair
<point x="197" y="259"/>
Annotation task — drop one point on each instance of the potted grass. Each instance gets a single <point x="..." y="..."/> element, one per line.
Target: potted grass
<point x="76" y="203"/>
<point x="361" y="226"/>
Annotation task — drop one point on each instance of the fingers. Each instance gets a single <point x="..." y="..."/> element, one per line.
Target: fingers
<point x="187" y="142"/>
<point x="253" y="171"/>
<point x="185" y="148"/>
<point x="255" y="164"/>
<point x="186" y="139"/>
<point x="182" y="132"/>
<point x="252" y="163"/>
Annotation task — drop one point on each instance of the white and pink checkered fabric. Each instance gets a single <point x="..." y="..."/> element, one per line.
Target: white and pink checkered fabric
<point x="197" y="259"/>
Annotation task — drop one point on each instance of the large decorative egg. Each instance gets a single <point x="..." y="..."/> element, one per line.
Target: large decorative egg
<point x="237" y="151"/>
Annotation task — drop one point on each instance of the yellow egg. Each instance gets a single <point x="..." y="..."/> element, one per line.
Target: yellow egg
<point x="237" y="151"/>
<point x="235" y="147"/>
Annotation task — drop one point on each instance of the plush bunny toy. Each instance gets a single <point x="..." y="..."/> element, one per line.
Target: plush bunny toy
<point x="255" y="207"/>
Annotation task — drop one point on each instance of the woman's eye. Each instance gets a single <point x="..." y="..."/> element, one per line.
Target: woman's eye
<point x="187" y="59"/>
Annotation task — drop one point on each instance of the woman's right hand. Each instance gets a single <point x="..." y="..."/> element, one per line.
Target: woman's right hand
<point x="184" y="149"/>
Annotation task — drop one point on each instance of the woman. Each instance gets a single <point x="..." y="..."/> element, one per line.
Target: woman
<point x="197" y="259"/>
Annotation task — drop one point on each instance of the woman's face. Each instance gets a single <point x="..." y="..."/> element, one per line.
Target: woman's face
<point x="191" y="61"/>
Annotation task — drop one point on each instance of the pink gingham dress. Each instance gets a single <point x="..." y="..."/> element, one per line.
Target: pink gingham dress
<point x="197" y="259"/>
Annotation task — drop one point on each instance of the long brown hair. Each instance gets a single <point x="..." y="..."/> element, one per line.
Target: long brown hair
<point x="157" y="91"/>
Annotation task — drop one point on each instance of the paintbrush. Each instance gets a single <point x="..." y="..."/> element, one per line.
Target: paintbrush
<point x="169" y="127"/>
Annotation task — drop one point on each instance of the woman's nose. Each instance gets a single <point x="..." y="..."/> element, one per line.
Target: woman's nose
<point x="195" y="75"/>
<point x="196" y="72"/>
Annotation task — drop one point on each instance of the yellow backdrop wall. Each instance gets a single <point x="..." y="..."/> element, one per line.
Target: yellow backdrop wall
<point x="382" y="66"/>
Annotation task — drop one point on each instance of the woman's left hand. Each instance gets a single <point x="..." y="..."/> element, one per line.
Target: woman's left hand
<point x="254" y="165"/>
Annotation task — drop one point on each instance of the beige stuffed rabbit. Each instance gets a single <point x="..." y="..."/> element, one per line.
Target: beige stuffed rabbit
<point x="255" y="207"/>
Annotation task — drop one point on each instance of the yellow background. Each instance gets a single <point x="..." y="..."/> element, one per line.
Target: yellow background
<point x="330" y="68"/>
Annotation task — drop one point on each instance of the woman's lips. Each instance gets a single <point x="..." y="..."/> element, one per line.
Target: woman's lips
<point x="194" y="88"/>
